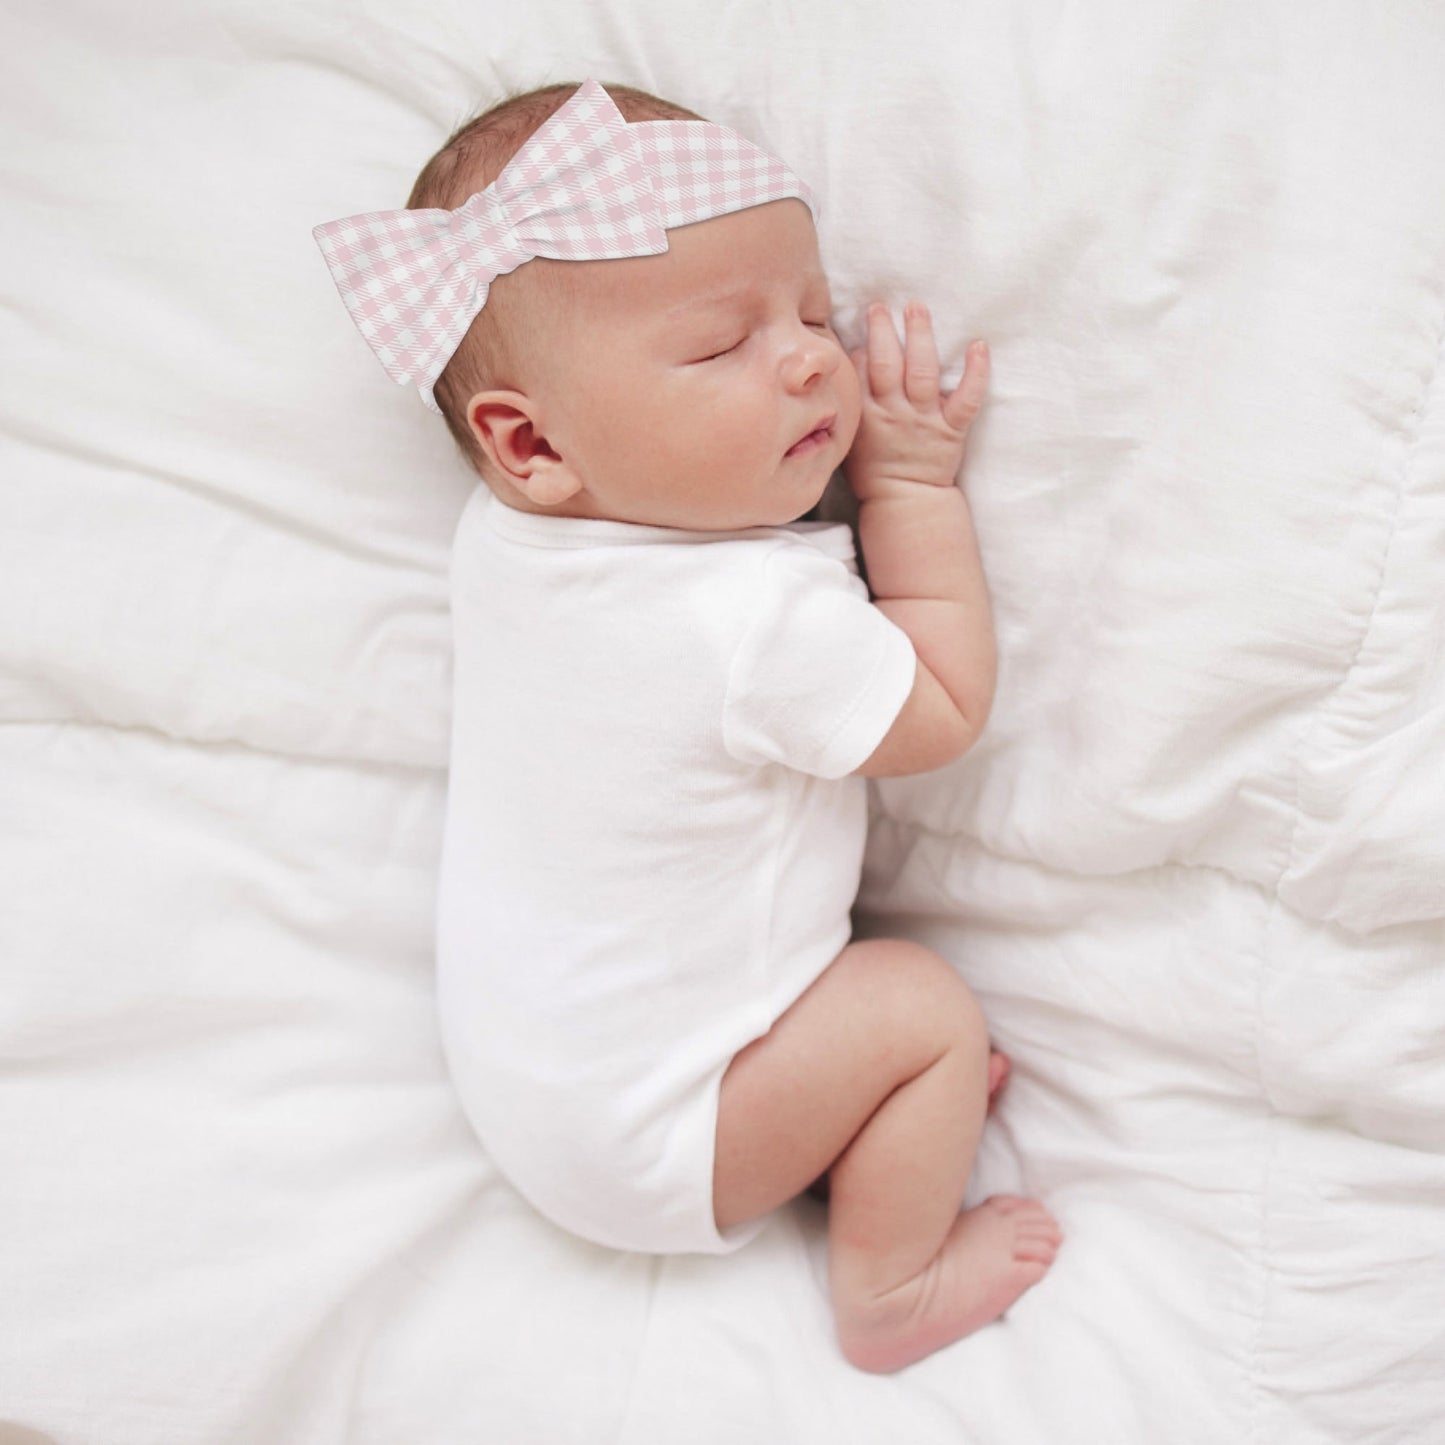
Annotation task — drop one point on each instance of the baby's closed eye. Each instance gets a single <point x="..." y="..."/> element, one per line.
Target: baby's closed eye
<point x="713" y="352"/>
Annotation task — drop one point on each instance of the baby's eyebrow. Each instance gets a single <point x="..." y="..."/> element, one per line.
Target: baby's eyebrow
<point x="815" y="282"/>
<point x="712" y="299"/>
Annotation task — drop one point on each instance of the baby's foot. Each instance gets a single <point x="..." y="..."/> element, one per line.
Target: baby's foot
<point x="990" y="1257"/>
<point x="998" y="1072"/>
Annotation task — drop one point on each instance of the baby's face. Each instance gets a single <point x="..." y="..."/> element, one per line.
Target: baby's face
<point x="704" y="388"/>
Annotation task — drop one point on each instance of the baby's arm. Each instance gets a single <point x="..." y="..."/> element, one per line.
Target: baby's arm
<point x="918" y="540"/>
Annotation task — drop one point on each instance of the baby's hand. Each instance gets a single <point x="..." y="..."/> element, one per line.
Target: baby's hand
<point x="910" y="434"/>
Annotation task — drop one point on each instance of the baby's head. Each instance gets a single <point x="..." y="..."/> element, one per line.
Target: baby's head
<point x="521" y="303"/>
<point x="698" y="386"/>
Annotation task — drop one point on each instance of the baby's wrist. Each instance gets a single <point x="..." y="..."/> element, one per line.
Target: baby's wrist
<point x="899" y="486"/>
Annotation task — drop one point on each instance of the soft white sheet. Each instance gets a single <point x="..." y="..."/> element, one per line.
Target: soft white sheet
<point x="1196" y="869"/>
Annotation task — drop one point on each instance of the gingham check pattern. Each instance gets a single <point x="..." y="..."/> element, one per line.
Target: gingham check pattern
<point x="585" y="186"/>
<point x="700" y="170"/>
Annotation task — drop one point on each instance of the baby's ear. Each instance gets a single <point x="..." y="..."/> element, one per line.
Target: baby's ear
<point x="552" y="486"/>
<point x="503" y="423"/>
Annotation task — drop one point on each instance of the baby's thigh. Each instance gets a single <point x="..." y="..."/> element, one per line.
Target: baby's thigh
<point x="791" y="1102"/>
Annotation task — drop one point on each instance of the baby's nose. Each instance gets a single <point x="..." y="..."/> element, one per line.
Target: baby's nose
<point x="812" y="355"/>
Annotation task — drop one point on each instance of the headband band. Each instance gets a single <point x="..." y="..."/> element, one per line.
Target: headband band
<point x="586" y="186"/>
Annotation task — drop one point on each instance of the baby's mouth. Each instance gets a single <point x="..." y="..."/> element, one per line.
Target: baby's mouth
<point x="820" y="436"/>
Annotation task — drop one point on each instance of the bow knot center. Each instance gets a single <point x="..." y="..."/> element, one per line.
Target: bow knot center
<point x="485" y="234"/>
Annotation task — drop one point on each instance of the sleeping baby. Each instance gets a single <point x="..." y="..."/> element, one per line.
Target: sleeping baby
<point x="669" y="693"/>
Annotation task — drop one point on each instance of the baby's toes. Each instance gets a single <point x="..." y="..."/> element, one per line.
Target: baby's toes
<point x="1036" y="1247"/>
<point x="1037" y="1235"/>
<point x="998" y="1072"/>
<point x="1010" y="1203"/>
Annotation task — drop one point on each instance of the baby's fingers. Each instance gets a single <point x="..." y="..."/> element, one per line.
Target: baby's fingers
<point x="962" y="404"/>
<point x="920" y="356"/>
<point x="885" y="355"/>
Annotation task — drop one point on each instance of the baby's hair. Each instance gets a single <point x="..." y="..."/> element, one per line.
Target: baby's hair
<point x="472" y="158"/>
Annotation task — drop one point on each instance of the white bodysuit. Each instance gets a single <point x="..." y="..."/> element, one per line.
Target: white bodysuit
<point x="652" y="839"/>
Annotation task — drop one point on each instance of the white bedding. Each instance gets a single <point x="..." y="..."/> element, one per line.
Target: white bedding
<point x="1196" y="869"/>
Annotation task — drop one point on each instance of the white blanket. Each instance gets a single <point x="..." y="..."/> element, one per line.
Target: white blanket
<point x="1196" y="869"/>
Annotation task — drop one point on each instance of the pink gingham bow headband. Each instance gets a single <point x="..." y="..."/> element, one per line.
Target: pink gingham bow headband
<point x="586" y="186"/>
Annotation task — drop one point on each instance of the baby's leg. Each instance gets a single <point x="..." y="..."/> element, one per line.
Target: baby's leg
<point x="880" y="1070"/>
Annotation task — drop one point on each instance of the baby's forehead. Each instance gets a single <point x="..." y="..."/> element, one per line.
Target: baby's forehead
<point x="731" y="290"/>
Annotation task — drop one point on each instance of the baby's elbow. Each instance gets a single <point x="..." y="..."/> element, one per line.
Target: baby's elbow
<point x="973" y="718"/>
<point x="941" y="740"/>
<point x="936" y="726"/>
<point x="963" y="731"/>
<point x="958" y="730"/>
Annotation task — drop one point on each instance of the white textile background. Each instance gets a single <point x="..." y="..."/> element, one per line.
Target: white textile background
<point x="1196" y="868"/>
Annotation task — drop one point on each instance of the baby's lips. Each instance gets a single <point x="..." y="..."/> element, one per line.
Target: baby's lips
<point x="826" y="423"/>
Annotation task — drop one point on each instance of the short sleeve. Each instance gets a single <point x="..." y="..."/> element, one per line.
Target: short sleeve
<point x="820" y="673"/>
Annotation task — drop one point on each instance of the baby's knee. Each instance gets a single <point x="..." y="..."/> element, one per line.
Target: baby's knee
<point x="928" y="987"/>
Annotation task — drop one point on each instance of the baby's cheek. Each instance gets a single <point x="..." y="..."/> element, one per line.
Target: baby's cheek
<point x="850" y="400"/>
<point x="850" y="411"/>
